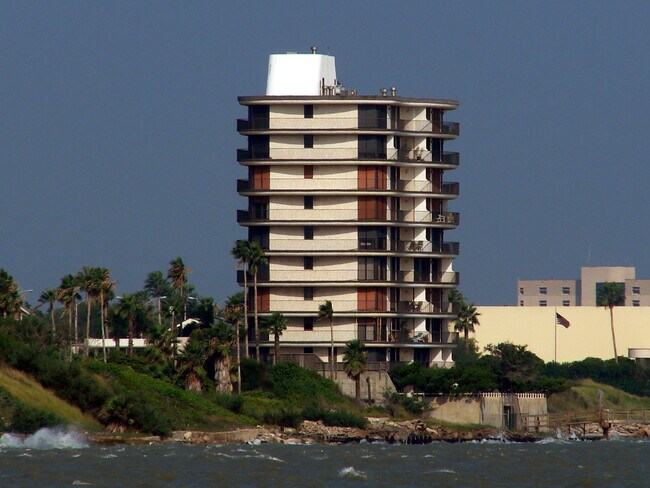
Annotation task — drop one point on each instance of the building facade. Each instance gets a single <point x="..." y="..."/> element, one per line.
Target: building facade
<point x="347" y="196"/>
<point x="589" y="333"/>
<point x="584" y="292"/>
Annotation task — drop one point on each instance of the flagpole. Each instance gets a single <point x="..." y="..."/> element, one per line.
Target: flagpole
<point x="555" y="328"/>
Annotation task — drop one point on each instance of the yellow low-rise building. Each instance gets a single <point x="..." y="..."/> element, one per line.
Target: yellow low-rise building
<point x="589" y="333"/>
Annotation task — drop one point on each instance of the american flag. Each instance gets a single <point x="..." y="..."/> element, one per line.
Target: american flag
<point x="559" y="320"/>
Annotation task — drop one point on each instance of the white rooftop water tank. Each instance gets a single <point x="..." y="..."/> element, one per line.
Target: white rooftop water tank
<point x="299" y="74"/>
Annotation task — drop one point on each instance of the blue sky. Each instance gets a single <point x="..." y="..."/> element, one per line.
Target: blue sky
<point x="118" y="140"/>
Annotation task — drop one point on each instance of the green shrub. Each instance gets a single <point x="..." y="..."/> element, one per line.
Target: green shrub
<point x="330" y="417"/>
<point x="131" y="410"/>
<point x="412" y="404"/>
<point x="27" y="420"/>
<point x="255" y="375"/>
<point x="286" y="417"/>
<point x="234" y="403"/>
<point x="302" y="384"/>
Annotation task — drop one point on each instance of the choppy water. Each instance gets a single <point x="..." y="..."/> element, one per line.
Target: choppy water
<point x="55" y="459"/>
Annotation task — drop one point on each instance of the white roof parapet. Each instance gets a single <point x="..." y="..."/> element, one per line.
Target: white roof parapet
<point x="300" y="74"/>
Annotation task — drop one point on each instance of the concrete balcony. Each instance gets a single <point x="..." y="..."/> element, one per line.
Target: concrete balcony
<point x="354" y="246"/>
<point x="424" y="216"/>
<point x="445" y="248"/>
<point x="442" y="128"/>
<point x="443" y="279"/>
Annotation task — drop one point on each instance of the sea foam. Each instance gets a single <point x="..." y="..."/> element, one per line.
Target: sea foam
<point x="45" y="439"/>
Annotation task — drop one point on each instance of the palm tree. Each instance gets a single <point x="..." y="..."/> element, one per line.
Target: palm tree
<point x="256" y="260"/>
<point x="354" y="363"/>
<point x="10" y="301"/>
<point x="454" y="296"/>
<point x="233" y="314"/>
<point x="49" y="297"/>
<point x="610" y="295"/>
<point x="158" y="287"/>
<point x="106" y="292"/>
<point x="68" y="294"/>
<point x="191" y="362"/>
<point x="275" y="324"/>
<point x="173" y="304"/>
<point x="88" y="280"/>
<point x="241" y="254"/>
<point x="467" y="319"/>
<point x="129" y="307"/>
<point x="220" y="343"/>
<point x="326" y="311"/>
<point x="177" y="273"/>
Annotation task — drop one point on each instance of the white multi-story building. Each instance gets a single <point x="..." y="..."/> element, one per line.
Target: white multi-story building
<point x="584" y="291"/>
<point x="347" y="197"/>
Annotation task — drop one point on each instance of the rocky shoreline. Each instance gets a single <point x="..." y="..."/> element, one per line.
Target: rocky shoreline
<point x="378" y="430"/>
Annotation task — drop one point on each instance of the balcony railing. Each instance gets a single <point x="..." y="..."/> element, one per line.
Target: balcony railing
<point x="262" y="276"/>
<point x="450" y="188"/>
<point x="347" y="306"/>
<point x="361" y="245"/>
<point x="260" y="215"/>
<point x="449" y="157"/>
<point x="324" y="153"/>
<point x="446" y="128"/>
<point x="451" y="248"/>
<point x="348" y="184"/>
<point x="346" y="215"/>
<point x="424" y="216"/>
<point x="448" y="278"/>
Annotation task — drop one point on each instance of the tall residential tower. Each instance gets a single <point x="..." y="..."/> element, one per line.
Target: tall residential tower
<point x="347" y="196"/>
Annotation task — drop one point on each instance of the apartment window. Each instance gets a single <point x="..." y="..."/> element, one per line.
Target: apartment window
<point x="367" y="329"/>
<point x="372" y="208"/>
<point x="521" y="290"/>
<point x="259" y="234"/>
<point x="309" y="141"/>
<point x="308" y="293"/>
<point x="566" y="290"/>
<point x="258" y="146"/>
<point x="309" y="203"/>
<point x="258" y="116"/>
<point x="309" y="172"/>
<point x="521" y="303"/>
<point x="309" y="262"/>
<point x="636" y="303"/>
<point x="566" y="303"/>
<point x="258" y="208"/>
<point x="372" y="116"/>
<point x="372" y="147"/>
<point x="309" y="111"/>
<point x="308" y="324"/>
<point x="372" y="269"/>
<point x="372" y="178"/>
<point x="308" y="350"/>
<point x="259" y="177"/>
<point x="542" y="290"/>
<point x="309" y="232"/>
<point x="372" y="238"/>
<point x="542" y="303"/>
<point x="371" y="298"/>
<point x="636" y="290"/>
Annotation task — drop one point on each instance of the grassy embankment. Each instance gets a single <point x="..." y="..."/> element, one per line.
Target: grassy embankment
<point x="583" y="397"/>
<point x="21" y="395"/>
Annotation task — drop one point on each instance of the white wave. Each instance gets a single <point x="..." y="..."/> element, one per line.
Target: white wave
<point x="350" y="472"/>
<point x="46" y="439"/>
<point x="444" y="470"/>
